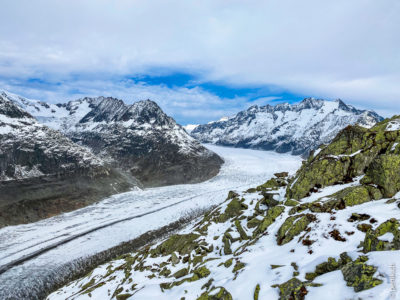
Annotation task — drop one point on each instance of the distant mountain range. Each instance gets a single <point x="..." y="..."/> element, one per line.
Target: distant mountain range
<point x="57" y="157"/>
<point x="297" y="128"/>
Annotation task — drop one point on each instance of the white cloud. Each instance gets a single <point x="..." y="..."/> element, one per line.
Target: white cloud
<point x="346" y="49"/>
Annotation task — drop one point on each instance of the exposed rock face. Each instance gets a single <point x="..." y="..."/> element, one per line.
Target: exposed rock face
<point x="354" y="152"/>
<point x="43" y="173"/>
<point x="138" y="138"/>
<point x="296" y="128"/>
<point x="144" y="140"/>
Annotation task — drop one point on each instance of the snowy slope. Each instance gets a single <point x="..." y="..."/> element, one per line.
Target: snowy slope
<point x="331" y="231"/>
<point x="42" y="172"/>
<point x="295" y="128"/>
<point x="139" y="138"/>
<point x="135" y="212"/>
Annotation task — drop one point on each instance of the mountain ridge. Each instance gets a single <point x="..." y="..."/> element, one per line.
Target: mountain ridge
<point x="139" y="138"/>
<point x="296" y="128"/>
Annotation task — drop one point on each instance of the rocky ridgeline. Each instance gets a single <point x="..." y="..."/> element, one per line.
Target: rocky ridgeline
<point x="60" y="157"/>
<point x="333" y="226"/>
<point x="43" y="173"/>
<point x="144" y="141"/>
<point x="139" y="138"/>
<point x="297" y="128"/>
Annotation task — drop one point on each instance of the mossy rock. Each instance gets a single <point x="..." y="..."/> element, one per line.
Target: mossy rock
<point x="291" y="202"/>
<point x="234" y="209"/>
<point x="384" y="171"/>
<point x="281" y="174"/>
<point x="180" y="273"/>
<point x="227" y="244"/>
<point x="256" y="292"/>
<point x="228" y="263"/>
<point x="238" y="266"/>
<point x="181" y="243"/>
<point x="329" y="266"/>
<point x="123" y="296"/>
<point x="254" y="222"/>
<point x="293" y="226"/>
<point x="272" y="184"/>
<point x="353" y="152"/>
<point x="272" y="214"/>
<point x="320" y="173"/>
<point x="202" y="272"/>
<point x="293" y="289"/>
<point x="242" y="233"/>
<point x="231" y="195"/>
<point x="276" y="266"/>
<point x="218" y="293"/>
<point x="359" y="275"/>
<point x="373" y="243"/>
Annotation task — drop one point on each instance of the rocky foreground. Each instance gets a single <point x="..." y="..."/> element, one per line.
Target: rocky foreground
<point x="331" y="231"/>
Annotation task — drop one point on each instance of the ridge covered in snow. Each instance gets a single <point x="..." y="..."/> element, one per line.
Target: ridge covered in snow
<point x="297" y="128"/>
<point x="139" y="138"/>
<point x="43" y="172"/>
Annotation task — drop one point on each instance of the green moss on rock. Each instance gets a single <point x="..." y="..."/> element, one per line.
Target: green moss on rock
<point x="256" y="292"/>
<point x="359" y="275"/>
<point x="293" y="289"/>
<point x="373" y="243"/>
<point x="218" y="293"/>
<point x="272" y="214"/>
<point x="384" y="171"/>
<point x="293" y="226"/>
<point x="180" y="273"/>
<point x="181" y="243"/>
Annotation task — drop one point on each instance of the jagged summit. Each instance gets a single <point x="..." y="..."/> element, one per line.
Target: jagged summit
<point x="296" y="128"/>
<point x="43" y="172"/>
<point x="139" y="138"/>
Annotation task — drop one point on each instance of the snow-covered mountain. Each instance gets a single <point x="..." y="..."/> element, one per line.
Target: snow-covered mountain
<point x="297" y="128"/>
<point x="139" y="138"/>
<point x="42" y="172"/>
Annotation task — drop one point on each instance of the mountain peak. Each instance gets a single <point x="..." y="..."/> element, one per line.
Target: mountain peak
<point x="296" y="128"/>
<point x="9" y="109"/>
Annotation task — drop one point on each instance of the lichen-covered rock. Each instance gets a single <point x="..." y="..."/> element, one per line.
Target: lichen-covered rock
<point x="372" y="242"/>
<point x="181" y="243"/>
<point x="294" y="289"/>
<point x="384" y="171"/>
<point x="359" y="275"/>
<point x="293" y="226"/>
<point x="256" y="292"/>
<point x="329" y="266"/>
<point x="241" y="231"/>
<point x="355" y="151"/>
<point x="218" y="293"/>
<point x="180" y="273"/>
<point x="272" y="184"/>
<point x="234" y="208"/>
<point x="272" y="214"/>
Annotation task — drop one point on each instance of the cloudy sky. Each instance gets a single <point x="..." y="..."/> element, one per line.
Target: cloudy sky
<point x="201" y="60"/>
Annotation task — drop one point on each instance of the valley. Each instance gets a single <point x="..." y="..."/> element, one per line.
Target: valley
<point x="70" y="238"/>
